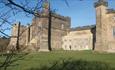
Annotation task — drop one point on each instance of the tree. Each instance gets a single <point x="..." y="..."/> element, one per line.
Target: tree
<point x="10" y="8"/>
<point x="29" y="7"/>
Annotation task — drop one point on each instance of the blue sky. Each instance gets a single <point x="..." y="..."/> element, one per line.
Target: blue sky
<point x="81" y="12"/>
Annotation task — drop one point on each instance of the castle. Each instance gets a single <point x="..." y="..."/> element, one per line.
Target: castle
<point x="99" y="37"/>
<point x="34" y="37"/>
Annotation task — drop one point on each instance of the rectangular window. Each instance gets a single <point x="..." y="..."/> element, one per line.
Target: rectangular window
<point x="114" y="31"/>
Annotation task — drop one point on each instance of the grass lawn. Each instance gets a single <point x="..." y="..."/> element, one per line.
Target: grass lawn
<point x="61" y="59"/>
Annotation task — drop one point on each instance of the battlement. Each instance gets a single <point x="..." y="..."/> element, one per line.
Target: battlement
<point x="110" y="11"/>
<point x="83" y="28"/>
<point x="65" y="18"/>
<point x="101" y="2"/>
<point x="61" y="17"/>
<point x="17" y="24"/>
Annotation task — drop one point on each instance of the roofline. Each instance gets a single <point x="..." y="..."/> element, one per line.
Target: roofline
<point x="83" y="28"/>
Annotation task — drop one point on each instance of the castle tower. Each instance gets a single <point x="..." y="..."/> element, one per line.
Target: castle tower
<point x="14" y="38"/>
<point x="35" y="37"/>
<point x="101" y="25"/>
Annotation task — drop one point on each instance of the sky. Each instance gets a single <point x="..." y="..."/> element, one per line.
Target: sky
<point x="82" y="13"/>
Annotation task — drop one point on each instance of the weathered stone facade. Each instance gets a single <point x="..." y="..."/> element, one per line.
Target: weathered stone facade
<point x="80" y="38"/>
<point x="99" y="37"/>
<point x="35" y="36"/>
<point x="105" y="23"/>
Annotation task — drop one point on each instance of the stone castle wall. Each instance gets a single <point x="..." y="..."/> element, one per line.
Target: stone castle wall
<point x="15" y="36"/>
<point x="35" y="36"/>
<point x="105" y="23"/>
<point x="100" y="38"/>
<point x="78" y="40"/>
<point x="13" y="39"/>
<point x="110" y="32"/>
<point x="60" y="27"/>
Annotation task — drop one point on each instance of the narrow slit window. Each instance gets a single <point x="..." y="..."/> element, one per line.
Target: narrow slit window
<point x="114" y="31"/>
<point x="62" y="26"/>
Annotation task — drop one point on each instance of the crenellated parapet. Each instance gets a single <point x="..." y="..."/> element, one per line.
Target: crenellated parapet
<point x="61" y="17"/>
<point x="101" y="2"/>
<point x="110" y="11"/>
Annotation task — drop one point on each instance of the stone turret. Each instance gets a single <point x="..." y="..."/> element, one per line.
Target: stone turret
<point x="60" y="26"/>
<point x="101" y="25"/>
<point x="18" y="38"/>
<point x="101" y="2"/>
<point x="14" y="33"/>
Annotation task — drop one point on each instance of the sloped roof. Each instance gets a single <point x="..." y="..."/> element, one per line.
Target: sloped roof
<point x="83" y="28"/>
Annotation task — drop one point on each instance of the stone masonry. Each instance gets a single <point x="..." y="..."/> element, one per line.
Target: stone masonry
<point x="99" y="37"/>
<point x="80" y="38"/>
<point x="105" y="23"/>
<point x="34" y="37"/>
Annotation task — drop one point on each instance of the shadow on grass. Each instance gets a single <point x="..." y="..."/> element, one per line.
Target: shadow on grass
<point x="10" y="60"/>
<point x="75" y="65"/>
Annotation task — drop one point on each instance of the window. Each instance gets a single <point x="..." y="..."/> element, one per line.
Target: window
<point x="114" y="31"/>
<point x="75" y="46"/>
<point x="62" y="26"/>
<point x="65" y="46"/>
<point x="114" y="18"/>
<point x="65" y="40"/>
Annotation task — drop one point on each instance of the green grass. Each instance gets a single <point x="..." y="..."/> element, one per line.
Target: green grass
<point x="57" y="59"/>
